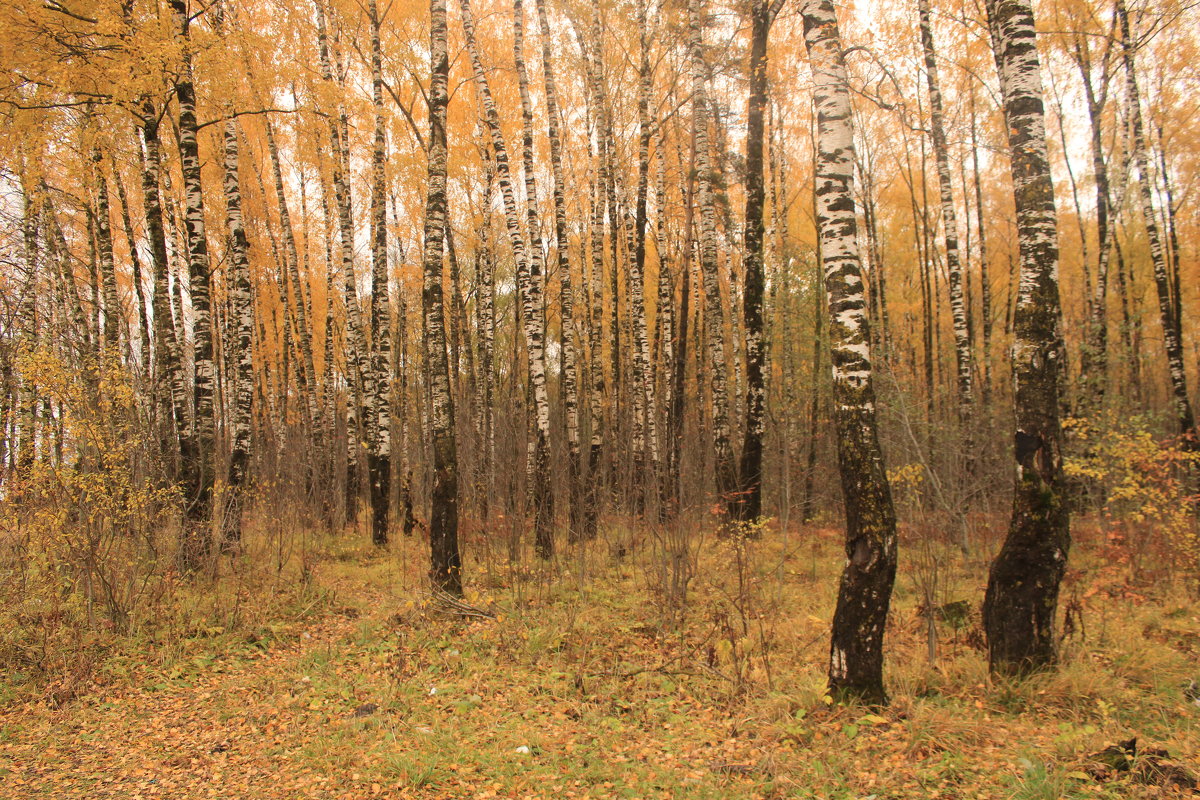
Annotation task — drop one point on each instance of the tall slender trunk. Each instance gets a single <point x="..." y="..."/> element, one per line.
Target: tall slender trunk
<point x="445" y="562"/>
<point x="714" y="315"/>
<point x="665" y="350"/>
<point x="646" y="472"/>
<point x="533" y="277"/>
<point x="140" y="318"/>
<point x="746" y="505"/>
<point x="306" y="377"/>
<point x="570" y="376"/>
<point x="168" y="386"/>
<point x="358" y="372"/>
<point x="954" y="270"/>
<point x="1172" y="342"/>
<point x="485" y="313"/>
<point x="111" y="346"/>
<point x="1023" y="585"/>
<point x="527" y="283"/>
<point x="27" y="331"/>
<point x="379" y="459"/>
<point x="864" y="595"/>
<point x="242" y="313"/>
<point x="985" y="284"/>
<point x="199" y="460"/>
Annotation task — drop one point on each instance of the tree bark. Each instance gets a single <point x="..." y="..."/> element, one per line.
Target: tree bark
<point x="1172" y="342"/>
<point x="714" y="315"/>
<point x="864" y="594"/>
<point x="746" y="505"/>
<point x="242" y="313"/>
<point x="1023" y="585"/>
<point x="445" y="562"/>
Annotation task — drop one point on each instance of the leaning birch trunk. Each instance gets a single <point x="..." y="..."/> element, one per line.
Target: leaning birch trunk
<point x="746" y="505"/>
<point x="445" y="563"/>
<point x="357" y="372"/>
<point x="864" y="594"/>
<point x="530" y="310"/>
<point x="379" y="457"/>
<point x="570" y="375"/>
<point x="242" y="313"/>
<point x="714" y="316"/>
<point x="1023" y="585"/>
<point x="307" y="373"/>
<point x="1162" y="283"/>
<point x="199" y="460"/>
<point x="954" y="270"/>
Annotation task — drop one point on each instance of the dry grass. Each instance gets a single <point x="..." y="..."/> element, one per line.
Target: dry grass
<point x="600" y="677"/>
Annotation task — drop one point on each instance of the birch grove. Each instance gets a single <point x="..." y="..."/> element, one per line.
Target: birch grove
<point x="693" y="277"/>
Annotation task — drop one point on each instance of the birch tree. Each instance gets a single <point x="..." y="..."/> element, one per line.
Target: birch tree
<point x="445" y="562"/>
<point x="1023" y="584"/>
<point x="865" y="590"/>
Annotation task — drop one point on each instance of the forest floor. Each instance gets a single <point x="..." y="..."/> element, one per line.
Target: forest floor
<point x="596" y="679"/>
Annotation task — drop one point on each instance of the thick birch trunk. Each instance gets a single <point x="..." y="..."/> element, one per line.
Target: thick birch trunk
<point x="864" y="595"/>
<point x="1023" y="585"/>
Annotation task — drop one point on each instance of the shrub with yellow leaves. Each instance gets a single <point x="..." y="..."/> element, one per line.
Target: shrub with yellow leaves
<point x="1142" y="483"/>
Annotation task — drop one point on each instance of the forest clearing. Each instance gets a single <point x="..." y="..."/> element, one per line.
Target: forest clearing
<point x="592" y="681"/>
<point x="599" y="398"/>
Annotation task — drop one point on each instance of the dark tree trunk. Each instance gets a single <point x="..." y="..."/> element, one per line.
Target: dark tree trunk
<point x="1022" y="591"/>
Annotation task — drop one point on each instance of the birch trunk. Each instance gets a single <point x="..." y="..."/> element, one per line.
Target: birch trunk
<point x="303" y="309"/>
<point x="570" y="377"/>
<point x="111" y="345"/>
<point x="714" y="315"/>
<point x="645" y="419"/>
<point x="357" y="372"/>
<point x="864" y="594"/>
<point x="379" y="460"/>
<point x="746" y="505"/>
<point x="1172" y="341"/>
<point x="541" y="496"/>
<point x="199" y="460"/>
<point x="242" y="314"/>
<point x="141" y="320"/>
<point x="1023" y="585"/>
<point x="528" y="281"/>
<point x="954" y="270"/>
<point x="445" y="562"/>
